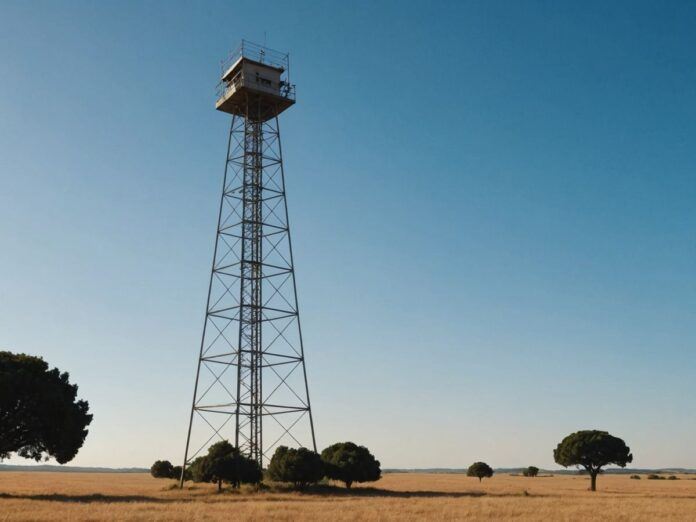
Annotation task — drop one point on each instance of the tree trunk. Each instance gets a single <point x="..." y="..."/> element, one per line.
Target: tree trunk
<point x="349" y="483"/>
<point x="480" y="478"/>
<point x="219" y="486"/>
<point x="593" y="481"/>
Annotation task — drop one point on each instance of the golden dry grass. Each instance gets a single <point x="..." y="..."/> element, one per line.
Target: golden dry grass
<point x="398" y="496"/>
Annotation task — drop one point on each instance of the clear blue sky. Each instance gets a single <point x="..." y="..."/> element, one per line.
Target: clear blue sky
<point x="492" y="208"/>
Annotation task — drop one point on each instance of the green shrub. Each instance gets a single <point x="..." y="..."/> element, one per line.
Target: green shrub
<point x="224" y="463"/>
<point x="348" y="462"/>
<point x="531" y="471"/>
<point x="300" y="466"/>
<point x="162" y="469"/>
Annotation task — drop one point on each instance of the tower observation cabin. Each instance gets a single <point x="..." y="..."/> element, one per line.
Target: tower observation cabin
<point x="255" y="83"/>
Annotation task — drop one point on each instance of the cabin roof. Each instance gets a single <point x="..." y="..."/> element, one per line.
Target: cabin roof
<point x="243" y="59"/>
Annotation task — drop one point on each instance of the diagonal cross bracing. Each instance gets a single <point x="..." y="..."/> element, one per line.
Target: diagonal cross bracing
<point x="251" y="383"/>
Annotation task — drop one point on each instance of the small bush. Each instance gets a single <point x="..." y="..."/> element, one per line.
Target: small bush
<point x="531" y="471"/>
<point x="653" y="476"/>
<point x="635" y="477"/>
<point x="672" y="477"/>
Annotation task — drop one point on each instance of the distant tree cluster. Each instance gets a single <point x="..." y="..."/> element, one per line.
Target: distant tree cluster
<point x="222" y="463"/>
<point x="344" y="461"/>
<point x="589" y="450"/>
<point x="654" y="476"/>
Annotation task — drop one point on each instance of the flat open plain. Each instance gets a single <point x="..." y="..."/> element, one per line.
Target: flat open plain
<point x="397" y="496"/>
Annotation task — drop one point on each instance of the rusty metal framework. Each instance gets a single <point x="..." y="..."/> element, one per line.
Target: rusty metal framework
<point x="251" y="383"/>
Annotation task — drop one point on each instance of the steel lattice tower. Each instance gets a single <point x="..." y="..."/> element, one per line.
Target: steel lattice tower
<point x="251" y="383"/>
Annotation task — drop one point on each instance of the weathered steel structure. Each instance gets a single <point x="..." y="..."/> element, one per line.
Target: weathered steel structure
<point x="251" y="383"/>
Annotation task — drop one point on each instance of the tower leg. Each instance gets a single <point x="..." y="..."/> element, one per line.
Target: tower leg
<point x="205" y="322"/>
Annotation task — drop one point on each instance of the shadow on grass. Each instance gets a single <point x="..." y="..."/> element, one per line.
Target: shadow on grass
<point x="306" y="494"/>
<point x="389" y="493"/>
<point x="340" y="492"/>
<point x="86" y="499"/>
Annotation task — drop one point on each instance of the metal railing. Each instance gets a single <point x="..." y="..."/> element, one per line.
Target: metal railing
<point x="284" y="90"/>
<point x="258" y="53"/>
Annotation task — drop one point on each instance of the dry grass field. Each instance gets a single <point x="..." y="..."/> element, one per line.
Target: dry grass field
<point x="397" y="496"/>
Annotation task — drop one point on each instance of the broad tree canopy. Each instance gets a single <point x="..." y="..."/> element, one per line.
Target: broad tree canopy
<point x="480" y="470"/>
<point x="224" y="463"/>
<point x="162" y="469"/>
<point x="348" y="462"/>
<point x="40" y="416"/>
<point x="299" y="466"/>
<point x="592" y="449"/>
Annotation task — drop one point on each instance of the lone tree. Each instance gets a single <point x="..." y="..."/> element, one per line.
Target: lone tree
<point x="224" y="463"/>
<point x="348" y="462"/>
<point x="162" y="469"/>
<point x="592" y="450"/>
<point x="531" y="471"/>
<point x="300" y="466"/>
<point x="39" y="414"/>
<point x="480" y="470"/>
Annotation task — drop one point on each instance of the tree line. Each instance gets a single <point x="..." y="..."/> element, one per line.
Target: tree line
<point x="346" y="462"/>
<point x="41" y="417"/>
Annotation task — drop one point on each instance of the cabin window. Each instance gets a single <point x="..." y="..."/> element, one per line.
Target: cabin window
<point x="263" y="81"/>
